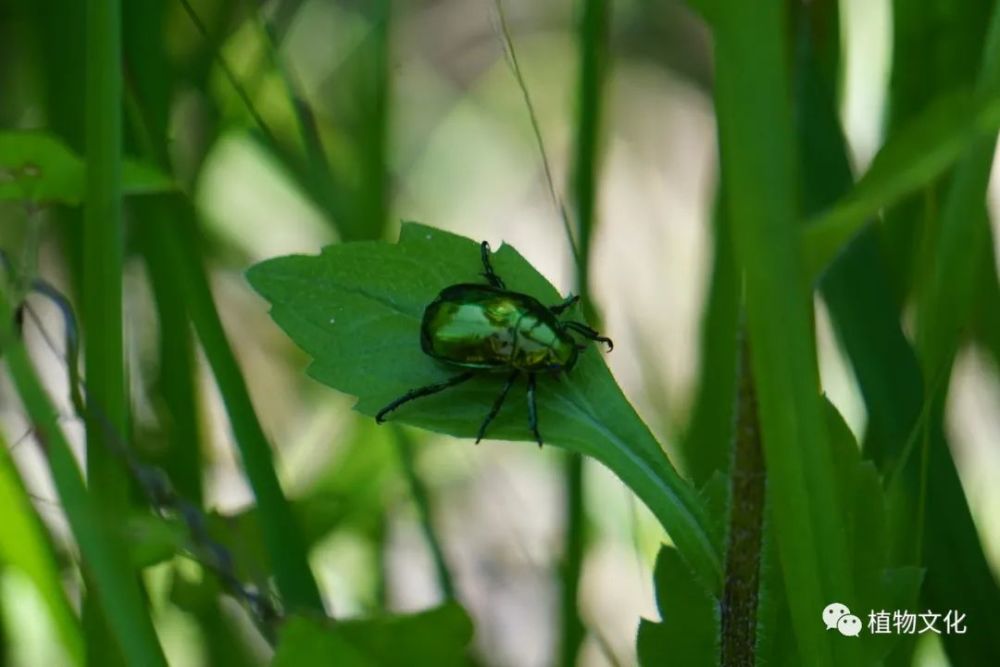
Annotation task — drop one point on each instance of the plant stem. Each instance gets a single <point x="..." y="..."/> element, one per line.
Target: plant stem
<point x="536" y="129"/>
<point x="592" y="37"/>
<point x="282" y="538"/>
<point x="574" y="544"/>
<point x="757" y="147"/>
<point x="230" y="75"/>
<point x="746" y="513"/>
<point x="103" y="250"/>
<point x="404" y="447"/>
<point x="593" y="69"/>
<point x="114" y="593"/>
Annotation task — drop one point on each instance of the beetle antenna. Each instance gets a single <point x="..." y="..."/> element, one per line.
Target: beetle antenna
<point x="488" y="272"/>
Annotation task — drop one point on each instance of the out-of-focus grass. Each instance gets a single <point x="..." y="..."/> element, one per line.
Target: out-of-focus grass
<point x="114" y="591"/>
<point x="24" y="546"/>
<point x="752" y="93"/>
<point x="103" y="252"/>
<point x="371" y="114"/>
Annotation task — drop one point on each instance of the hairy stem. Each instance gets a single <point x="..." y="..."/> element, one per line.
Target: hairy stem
<point x="743" y="551"/>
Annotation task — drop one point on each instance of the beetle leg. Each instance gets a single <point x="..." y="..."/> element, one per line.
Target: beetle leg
<point x="533" y="410"/>
<point x="587" y="332"/>
<point x="497" y="404"/>
<point x="422" y="391"/>
<point x="491" y="277"/>
<point x="560" y="307"/>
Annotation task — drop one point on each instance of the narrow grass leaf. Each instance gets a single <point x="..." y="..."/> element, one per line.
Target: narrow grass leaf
<point x="916" y="155"/>
<point x="282" y="537"/>
<point x="24" y="545"/>
<point x="945" y="309"/>
<point x="706" y="446"/>
<point x="947" y="296"/>
<point x="103" y="320"/>
<point x="104" y="559"/>
<point x="756" y="143"/>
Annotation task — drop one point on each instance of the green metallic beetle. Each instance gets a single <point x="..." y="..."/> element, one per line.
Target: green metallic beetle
<point x="487" y="328"/>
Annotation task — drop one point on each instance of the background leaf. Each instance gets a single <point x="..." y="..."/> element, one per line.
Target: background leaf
<point x="435" y="637"/>
<point x="688" y="633"/>
<point x="919" y="153"/>
<point x="38" y="167"/>
<point x="24" y="545"/>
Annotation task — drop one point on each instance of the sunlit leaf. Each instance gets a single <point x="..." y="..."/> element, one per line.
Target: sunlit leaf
<point x="24" y="546"/>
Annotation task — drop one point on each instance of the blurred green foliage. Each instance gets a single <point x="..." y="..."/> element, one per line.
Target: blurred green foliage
<point x="125" y="128"/>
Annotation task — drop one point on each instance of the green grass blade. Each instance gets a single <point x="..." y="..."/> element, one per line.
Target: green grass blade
<point x="594" y="26"/>
<point x="172" y="233"/>
<point x="925" y="68"/>
<point x="756" y="144"/>
<point x="592" y="37"/>
<point x="856" y="286"/>
<point x="925" y="71"/>
<point x="706" y="444"/>
<point x="148" y="93"/>
<point x="177" y="379"/>
<point x="282" y="537"/>
<point x="945" y="307"/>
<point x="912" y="159"/>
<point x="318" y="172"/>
<point x="24" y="545"/>
<point x="947" y="296"/>
<point x="115" y="588"/>
<point x="959" y="575"/>
<point x="421" y="498"/>
<point x="103" y="251"/>
<point x="867" y="318"/>
<point x="373" y="86"/>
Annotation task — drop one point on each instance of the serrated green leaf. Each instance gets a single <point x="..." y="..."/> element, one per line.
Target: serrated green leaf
<point x="40" y="168"/>
<point x="688" y="633"/>
<point x="879" y="586"/>
<point x="356" y="309"/>
<point x="436" y="637"/>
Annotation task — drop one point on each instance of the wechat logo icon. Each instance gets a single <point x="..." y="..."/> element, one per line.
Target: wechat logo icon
<point x="837" y="616"/>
